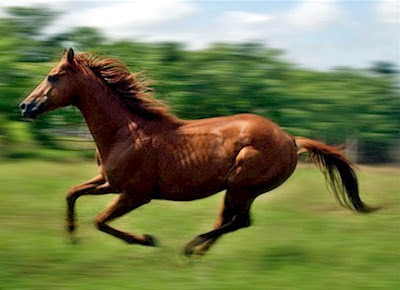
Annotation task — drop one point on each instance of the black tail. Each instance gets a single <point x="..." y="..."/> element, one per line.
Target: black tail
<point x="338" y="170"/>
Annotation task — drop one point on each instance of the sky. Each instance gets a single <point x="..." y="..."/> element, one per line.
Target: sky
<point x="319" y="34"/>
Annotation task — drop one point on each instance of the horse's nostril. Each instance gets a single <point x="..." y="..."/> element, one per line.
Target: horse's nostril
<point x="22" y="106"/>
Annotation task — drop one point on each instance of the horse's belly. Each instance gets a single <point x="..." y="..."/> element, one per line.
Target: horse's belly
<point x="190" y="184"/>
<point x="188" y="193"/>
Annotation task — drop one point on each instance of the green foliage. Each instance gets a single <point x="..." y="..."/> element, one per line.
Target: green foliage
<point x="28" y="22"/>
<point x="84" y="37"/>
<point x="335" y="106"/>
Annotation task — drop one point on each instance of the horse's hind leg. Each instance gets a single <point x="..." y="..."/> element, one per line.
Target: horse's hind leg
<point x="120" y="206"/>
<point x="95" y="186"/>
<point x="234" y="215"/>
<point x="225" y="215"/>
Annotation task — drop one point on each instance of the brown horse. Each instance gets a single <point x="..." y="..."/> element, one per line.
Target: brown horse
<point x="145" y="152"/>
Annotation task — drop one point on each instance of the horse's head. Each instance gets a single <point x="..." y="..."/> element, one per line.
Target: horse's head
<point x="55" y="91"/>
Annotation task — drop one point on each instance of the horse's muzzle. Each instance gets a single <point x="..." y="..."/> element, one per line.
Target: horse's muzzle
<point x="32" y="109"/>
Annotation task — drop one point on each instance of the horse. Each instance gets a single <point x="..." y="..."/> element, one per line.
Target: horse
<point x="145" y="152"/>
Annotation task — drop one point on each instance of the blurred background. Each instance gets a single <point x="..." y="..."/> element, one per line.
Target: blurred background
<point x="321" y="69"/>
<point x="328" y="70"/>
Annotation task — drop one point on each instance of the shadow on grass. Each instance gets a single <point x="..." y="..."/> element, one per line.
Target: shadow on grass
<point x="278" y="257"/>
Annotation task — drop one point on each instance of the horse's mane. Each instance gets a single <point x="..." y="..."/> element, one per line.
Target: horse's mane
<point x="133" y="89"/>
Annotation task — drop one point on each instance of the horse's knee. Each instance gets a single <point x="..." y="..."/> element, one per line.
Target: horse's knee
<point x="99" y="223"/>
<point x="73" y="194"/>
<point x="70" y="193"/>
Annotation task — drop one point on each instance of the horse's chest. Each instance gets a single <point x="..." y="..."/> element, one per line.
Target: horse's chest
<point x="131" y="168"/>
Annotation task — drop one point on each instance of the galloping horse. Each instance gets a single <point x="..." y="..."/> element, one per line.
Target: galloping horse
<point x="145" y="152"/>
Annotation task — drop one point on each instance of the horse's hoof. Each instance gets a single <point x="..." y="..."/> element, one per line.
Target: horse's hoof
<point x="70" y="228"/>
<point x="188" y="251"/>
<point x="193" y="252"/>
<point x="199" y="252"/>
<point x="150" y="241"/>
<point x="190" y="248"/>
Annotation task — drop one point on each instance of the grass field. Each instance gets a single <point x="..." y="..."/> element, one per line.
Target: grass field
<point x="300" y="238"/>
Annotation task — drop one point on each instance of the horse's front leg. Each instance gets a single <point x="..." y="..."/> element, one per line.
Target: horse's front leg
<point x="121" y="205"/>
<point x="95" y="186"/>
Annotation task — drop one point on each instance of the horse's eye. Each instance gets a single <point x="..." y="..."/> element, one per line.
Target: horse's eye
<point x="52" y="79"/>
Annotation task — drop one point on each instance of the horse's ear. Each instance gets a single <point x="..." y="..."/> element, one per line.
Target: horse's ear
<point x="70" y="56"/>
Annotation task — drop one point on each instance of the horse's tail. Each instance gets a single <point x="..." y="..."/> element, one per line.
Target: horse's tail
<point x="338" y="170"/>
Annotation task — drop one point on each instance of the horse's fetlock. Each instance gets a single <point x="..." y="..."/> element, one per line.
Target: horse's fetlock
<point x="243" y="222"/>
<point x="247" y="224"/>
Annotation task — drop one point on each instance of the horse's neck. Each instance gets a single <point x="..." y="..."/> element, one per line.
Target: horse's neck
<point x="107" y="117"/>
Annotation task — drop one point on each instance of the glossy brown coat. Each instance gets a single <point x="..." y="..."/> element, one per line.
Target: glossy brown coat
<point x="145" y="152"/>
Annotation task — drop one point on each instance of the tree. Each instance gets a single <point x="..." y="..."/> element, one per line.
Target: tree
<point x="84" y="38"/>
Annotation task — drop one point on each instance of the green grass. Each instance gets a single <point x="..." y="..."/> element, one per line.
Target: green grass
<point x="300" y="238"/>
